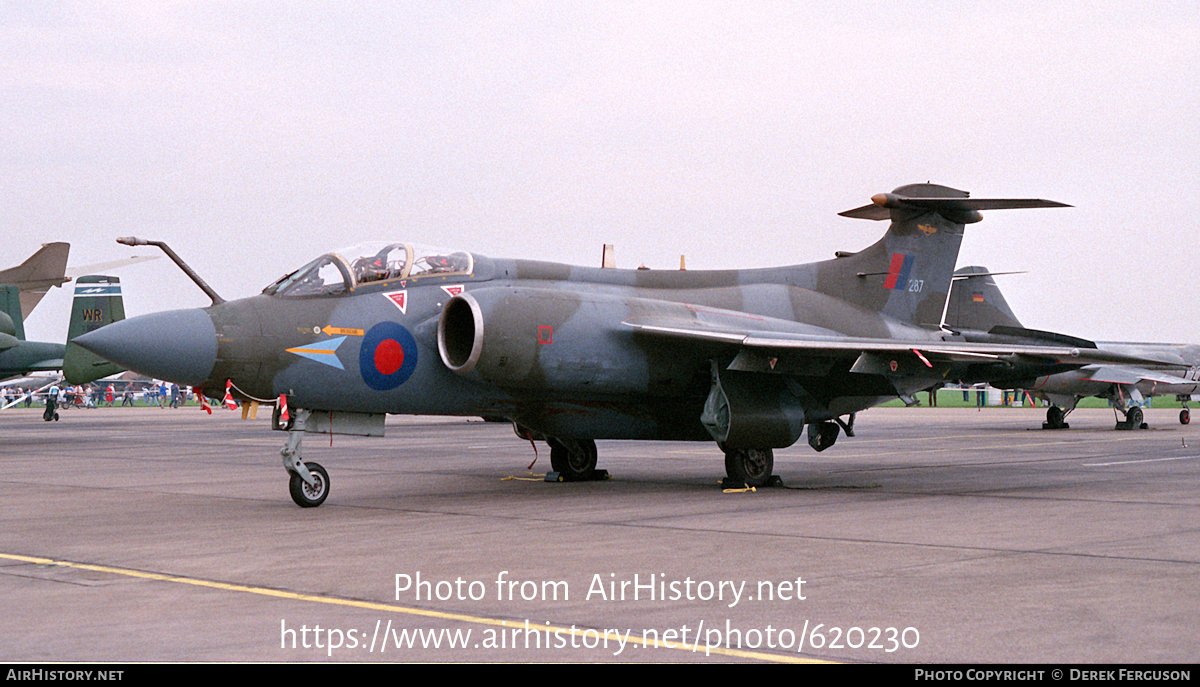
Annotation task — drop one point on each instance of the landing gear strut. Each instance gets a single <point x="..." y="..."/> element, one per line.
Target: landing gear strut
<point x="308" y="483"/>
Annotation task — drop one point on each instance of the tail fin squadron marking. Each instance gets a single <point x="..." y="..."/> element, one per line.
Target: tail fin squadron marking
<point x="97" y="302"/>
<point x="898" y="271"/>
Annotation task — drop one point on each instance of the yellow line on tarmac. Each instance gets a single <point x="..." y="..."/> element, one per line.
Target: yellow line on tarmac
<point x="390" y="608"/>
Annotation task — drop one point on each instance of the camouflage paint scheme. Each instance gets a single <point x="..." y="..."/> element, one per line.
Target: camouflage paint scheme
<point x="747" y="358"/>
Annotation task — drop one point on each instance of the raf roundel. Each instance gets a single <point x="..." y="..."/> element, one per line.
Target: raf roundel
<point x="388" y="356"/>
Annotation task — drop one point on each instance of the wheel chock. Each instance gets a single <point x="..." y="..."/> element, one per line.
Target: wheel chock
<point x="731" y="483"/>
<point x="593" y="476"/>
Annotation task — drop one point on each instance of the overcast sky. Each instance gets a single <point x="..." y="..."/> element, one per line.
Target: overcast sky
<point x="253" y="136"/>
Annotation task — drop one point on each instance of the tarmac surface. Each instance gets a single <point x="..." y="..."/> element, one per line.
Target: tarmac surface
<point x="935" y="535"/>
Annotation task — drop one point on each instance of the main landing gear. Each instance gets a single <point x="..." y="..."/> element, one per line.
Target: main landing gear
<point x="308" y="483"/>
<point x="573" y="460"/>
<point x="1134" y="419"/>
<point x="748" y="467"/>
<point x="1055" y="418"/>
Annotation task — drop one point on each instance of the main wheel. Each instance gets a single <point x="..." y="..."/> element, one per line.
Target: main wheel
<point x="310" y="495"/>
<point x="1133" y="417"/>
<point x="752" y="466"/>
<point x="1185" y="416"/>
<point x="573" y="459"/>
<point x="1055" y="417"/>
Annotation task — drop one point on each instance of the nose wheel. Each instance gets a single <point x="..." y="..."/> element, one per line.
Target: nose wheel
<point x="310" y="495"/>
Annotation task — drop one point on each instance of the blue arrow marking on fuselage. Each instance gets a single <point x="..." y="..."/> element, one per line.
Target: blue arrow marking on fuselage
<point x="324" y="352"/>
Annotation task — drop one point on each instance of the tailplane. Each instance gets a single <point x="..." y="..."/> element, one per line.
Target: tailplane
<point x="97" y="303"/>
<point x="906" y="274"/>
<point x="40" y="271"/>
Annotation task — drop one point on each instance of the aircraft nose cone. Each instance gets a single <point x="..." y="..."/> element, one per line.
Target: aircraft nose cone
<point x="179" y="345"/>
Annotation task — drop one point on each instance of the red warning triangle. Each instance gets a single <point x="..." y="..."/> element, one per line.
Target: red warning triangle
<point x="398" y="299"/>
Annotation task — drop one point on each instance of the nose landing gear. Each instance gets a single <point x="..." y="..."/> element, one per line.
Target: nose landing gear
<point x="308" y="483"/>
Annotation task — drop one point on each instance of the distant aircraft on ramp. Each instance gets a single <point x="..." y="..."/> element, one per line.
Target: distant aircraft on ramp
<point x="976" y="303"/>
<point x="47" y="268"/>
<point x="97" y="303"/>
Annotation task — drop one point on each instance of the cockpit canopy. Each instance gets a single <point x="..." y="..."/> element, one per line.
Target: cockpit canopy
<point x="344" y="270"/>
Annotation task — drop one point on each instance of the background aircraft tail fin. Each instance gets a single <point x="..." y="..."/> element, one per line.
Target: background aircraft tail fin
<point x="97" y="303"/>
<point x="10" y="312"/>
<point x="39" y="272"/>
<point x="906" y="274"/>
<point x="976" y="302"/>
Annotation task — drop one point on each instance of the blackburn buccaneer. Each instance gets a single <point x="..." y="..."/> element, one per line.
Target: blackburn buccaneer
<point x="749" y="359"/>
<point x="976" y="304"/>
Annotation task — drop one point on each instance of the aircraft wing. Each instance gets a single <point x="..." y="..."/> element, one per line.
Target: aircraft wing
<point x="1129" y="375"/>
<point x="74" y="272"/>
<point x="832" y="345"/>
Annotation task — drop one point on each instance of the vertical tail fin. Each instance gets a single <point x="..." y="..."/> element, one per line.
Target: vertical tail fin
<point x="97" y="303"/>
<point x="976" y="302"/>
<point x="10" y="312"/>
<point x="906" y="274"/>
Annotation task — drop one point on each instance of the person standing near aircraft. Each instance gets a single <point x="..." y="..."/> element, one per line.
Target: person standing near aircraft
<point x="51" y="401"/>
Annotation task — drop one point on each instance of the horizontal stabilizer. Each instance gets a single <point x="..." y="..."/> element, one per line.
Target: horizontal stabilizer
<point x="882" y="205"/>
<point x="40" y="271"/>
<point x="1039" y="335"/>
<point x="74" y="272"/>
<point x="960" y="275"/>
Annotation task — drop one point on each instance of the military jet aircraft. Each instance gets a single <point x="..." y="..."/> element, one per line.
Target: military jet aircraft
<point x="18" y="356"/>
<point x="97" y="303"/>
<point x="745" y="358"/>
<point x="976" y="303"/>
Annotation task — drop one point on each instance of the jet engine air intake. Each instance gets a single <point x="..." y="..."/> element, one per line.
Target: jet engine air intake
<point x="460" y="334"/>
<point x="542" y="339"/>
<point x="487" y="335"/>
